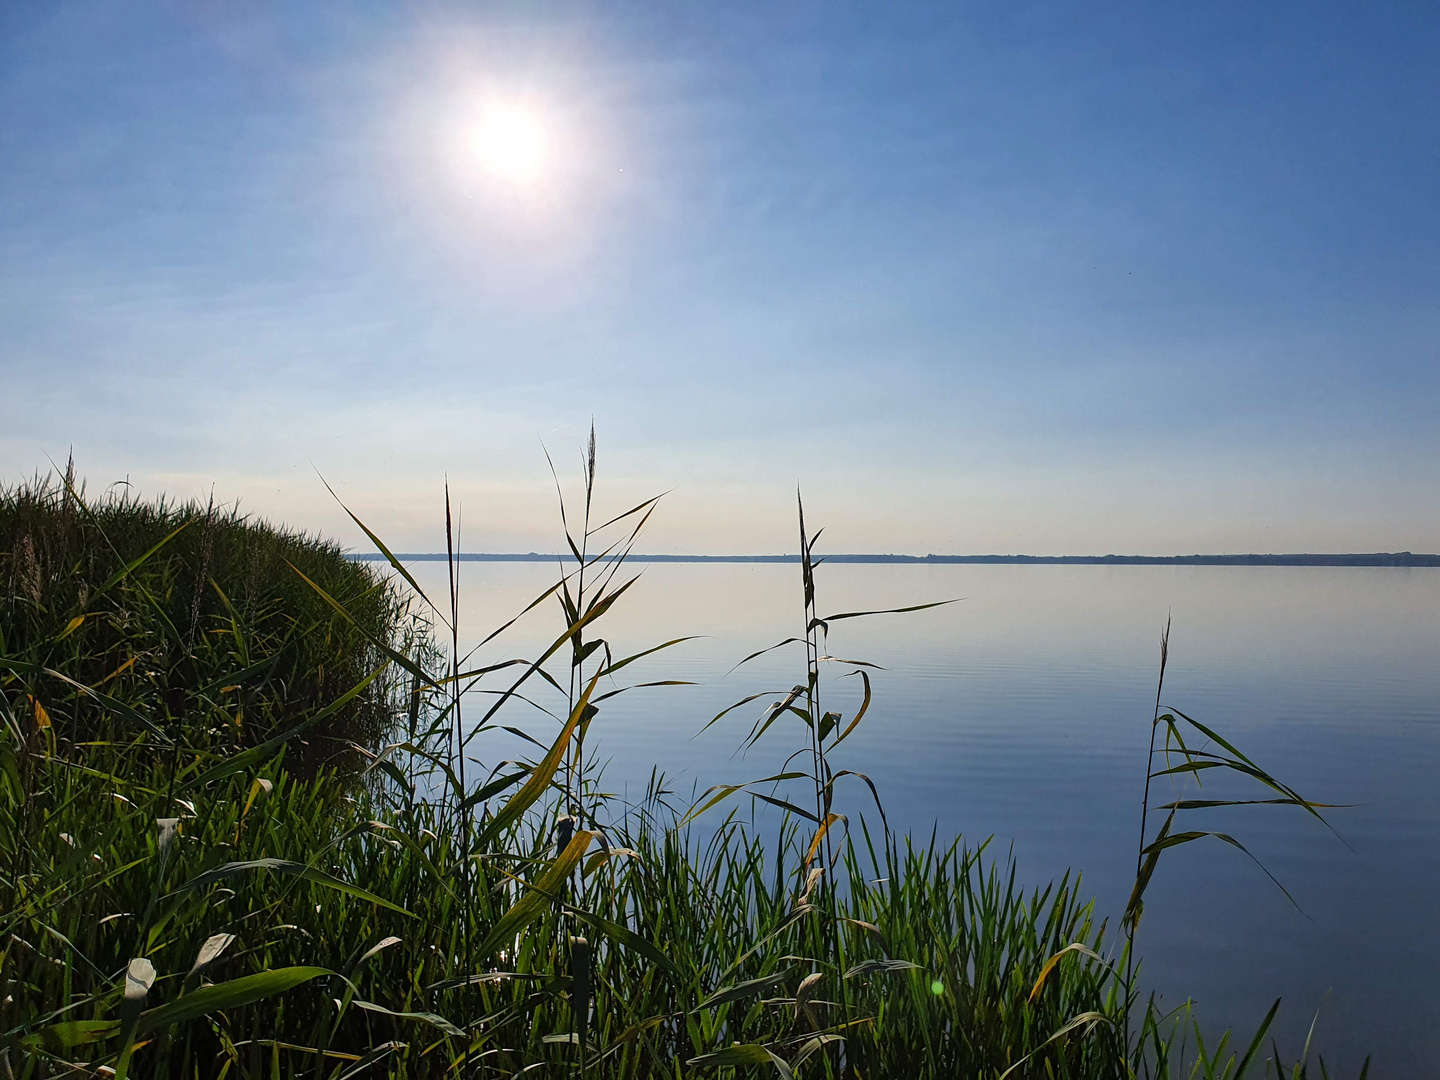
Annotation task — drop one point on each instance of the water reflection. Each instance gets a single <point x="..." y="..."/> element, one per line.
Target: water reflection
<point x="1022" y="712"/>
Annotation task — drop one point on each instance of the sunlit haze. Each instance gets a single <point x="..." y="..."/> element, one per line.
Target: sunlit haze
<point x="509" y="141"/>
<point x="982" y="278"/>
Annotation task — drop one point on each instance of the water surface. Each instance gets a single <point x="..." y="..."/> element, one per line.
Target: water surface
<point x="1022" y="713"/>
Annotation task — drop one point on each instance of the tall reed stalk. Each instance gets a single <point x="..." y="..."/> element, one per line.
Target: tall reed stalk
<point x="1207" y="755"/>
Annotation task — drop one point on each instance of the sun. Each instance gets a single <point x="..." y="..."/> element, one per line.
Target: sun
<point x="510" y="142"/>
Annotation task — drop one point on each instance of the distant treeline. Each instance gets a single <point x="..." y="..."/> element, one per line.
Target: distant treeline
<point x="1393" y="558"/>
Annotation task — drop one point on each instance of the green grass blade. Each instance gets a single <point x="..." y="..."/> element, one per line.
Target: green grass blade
<point x="741" y="991"/>
<point x="389" y="556"/>
<point x="542" y="773"/>
<point x="292" y="869"/>
<point x="227" y="995"/>
<point x="1256" y="1042"/>
<point x="430" y="1018"/>
<point x="256" y="754"/>
<point x="535" y="900"/>
<point x="748" y="1054"/>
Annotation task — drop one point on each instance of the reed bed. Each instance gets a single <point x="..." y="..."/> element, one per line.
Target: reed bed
<point x="192" y="623"/>
<point x="189" y="892"/>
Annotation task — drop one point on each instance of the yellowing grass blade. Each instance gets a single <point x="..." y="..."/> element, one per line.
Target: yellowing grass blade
<point x="1073" y="947"/>
<point x="542" y="774"/>
<point x="536" y="900"/>
<point x="830" y="819"/>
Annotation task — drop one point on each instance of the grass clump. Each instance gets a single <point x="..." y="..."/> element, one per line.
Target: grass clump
<point x="156" y="623"/>
<point x="188" y="904"/>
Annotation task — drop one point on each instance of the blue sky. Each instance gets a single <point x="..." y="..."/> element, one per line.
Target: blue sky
<point x="1003" y="277"/>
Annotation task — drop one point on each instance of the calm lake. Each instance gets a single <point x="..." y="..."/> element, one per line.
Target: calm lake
<point x="1023" y="713"/>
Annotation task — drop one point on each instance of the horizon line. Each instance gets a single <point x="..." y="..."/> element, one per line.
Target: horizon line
<point x="1394" y="558"/>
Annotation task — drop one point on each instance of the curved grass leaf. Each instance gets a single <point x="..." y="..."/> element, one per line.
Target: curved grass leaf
<point x="294" y="869"/>
<point x="740" y="991"/>
<point x="732" y="708"/>
<point x="625" y="936"/>
<point x="726" y="790"/>
<point x="596" y="611"/>
<point x="374" y="950"/>
<point x="58" y="1038"/>
<point x="430" y="1018"/>
<point x="885" y="611"/>
<point x="370" y="1057"/>
<point x="786" y="805"/>
<point x="1086" y="1020"/>
<point x="874" y="792"/>
<point x="771" y="648"/>
<point x="543" y="772"/>
<point x="389" y="556"/>
<point x="746" y="1054"/>
<point x="879" y="967"/>
<point x="536" y="899"/>
<point x="227" y="995"/>
<point x="830" y="819"/>
<point x="1073" y="947"/>
<point x="610" y="669"/>
<point x="811" y="1046"/>
<point x="859" y="713"/>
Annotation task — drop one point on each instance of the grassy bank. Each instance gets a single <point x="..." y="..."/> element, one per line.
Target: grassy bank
<point x="198" y="882"/>
<point x="189" y="623"/>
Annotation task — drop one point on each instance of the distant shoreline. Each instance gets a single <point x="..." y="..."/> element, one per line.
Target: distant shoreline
<point x="1399" y="558"/>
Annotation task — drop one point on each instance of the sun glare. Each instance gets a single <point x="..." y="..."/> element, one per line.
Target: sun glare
<point x="510" y="143"/>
